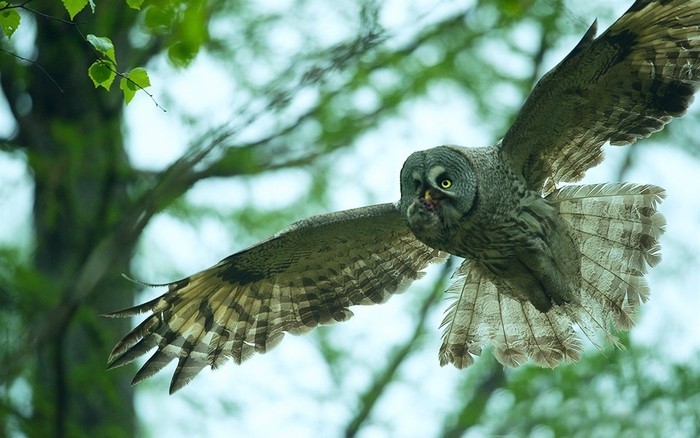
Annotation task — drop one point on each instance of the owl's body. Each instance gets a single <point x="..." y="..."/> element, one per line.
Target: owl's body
<point x="505" y="228"/>
<point x="539" y="257"/>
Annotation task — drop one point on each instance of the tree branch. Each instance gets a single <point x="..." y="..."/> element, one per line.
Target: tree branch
<point x="211" y="155"/>
<point x="472" y="409"/>
<point x="384" y="378"/>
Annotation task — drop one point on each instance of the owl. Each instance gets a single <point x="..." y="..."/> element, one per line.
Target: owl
<point x="540" y="258"/>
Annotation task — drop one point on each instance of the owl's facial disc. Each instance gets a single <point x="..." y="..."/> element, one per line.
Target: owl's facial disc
<point x="437" y="187"/>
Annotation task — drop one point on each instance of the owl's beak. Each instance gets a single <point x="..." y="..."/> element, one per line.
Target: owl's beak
<point x="432" y="195"/>
<point x="431" y="198"/>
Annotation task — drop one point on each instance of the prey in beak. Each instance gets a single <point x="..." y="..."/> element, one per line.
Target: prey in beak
<point x="431" y="198"/>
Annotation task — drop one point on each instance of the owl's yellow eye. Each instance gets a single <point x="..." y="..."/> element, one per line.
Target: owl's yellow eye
<point x="445" y="183"/>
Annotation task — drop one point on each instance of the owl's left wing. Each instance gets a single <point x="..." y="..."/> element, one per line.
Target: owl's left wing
<point x="619" y="87"/>
<point x="306" y="275"/>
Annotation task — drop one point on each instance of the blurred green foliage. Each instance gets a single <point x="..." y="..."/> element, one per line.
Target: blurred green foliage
<point x="91" y="204"/>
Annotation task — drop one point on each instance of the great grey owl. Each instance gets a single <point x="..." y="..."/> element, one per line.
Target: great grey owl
<point x="539" y="258"/>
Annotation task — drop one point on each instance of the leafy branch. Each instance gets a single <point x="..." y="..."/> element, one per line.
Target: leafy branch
<point x="103" y="71"/>
<point x="214" y="154"/>
<point x="9" y="17"/>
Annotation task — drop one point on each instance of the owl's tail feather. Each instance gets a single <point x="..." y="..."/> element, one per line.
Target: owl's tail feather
<point x="617" y="229"/>
<point x="485" y="314"/>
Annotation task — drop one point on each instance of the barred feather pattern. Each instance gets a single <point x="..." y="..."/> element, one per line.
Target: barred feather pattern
<point x="308" y="274"/>
<point x="620" y="87"/>
<point x="616" y="227"/>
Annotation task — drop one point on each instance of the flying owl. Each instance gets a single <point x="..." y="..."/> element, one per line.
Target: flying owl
<point x="539" y="258"/>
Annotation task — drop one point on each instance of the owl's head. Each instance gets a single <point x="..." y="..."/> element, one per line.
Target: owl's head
<point x="438" y="187"/>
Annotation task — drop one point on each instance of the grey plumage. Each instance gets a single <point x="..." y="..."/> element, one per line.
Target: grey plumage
<point x="489" y="216"/>
<point x="540" y="258"/>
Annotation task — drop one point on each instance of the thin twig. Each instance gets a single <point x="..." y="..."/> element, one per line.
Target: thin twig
<point x="37" y="65"/>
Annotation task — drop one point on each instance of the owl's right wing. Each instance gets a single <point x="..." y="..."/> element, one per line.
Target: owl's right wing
<point x="306" y="275"/>
<point x="619" y="87"/>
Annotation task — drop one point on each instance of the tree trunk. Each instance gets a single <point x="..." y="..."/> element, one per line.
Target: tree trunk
<point x="72" y="134"/>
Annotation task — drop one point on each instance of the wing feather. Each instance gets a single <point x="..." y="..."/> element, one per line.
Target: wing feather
<point x="308" y="274"/>
<point x="620" y="87"/>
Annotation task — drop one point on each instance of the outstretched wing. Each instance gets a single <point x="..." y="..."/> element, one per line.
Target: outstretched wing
<point x="306" y="275"/>
<point x="620" y="87"/>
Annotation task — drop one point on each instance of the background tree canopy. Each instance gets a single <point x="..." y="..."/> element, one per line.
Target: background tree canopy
<point x="262" y="113"/>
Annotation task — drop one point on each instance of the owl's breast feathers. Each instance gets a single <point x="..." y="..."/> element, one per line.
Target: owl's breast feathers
<point x="530" y="249"/>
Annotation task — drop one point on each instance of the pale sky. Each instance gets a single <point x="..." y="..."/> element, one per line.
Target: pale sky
<point x="272" y="384"/>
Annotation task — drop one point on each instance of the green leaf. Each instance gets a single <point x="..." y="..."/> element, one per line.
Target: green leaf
<point x="104" y="46"/>
<point x="140" y="77"/>
<point x="102" y="74"/>
<point x="127" y="88"/>
<point x="134" y="81"/>
<point x="159" y="19"/>
<point x="74" y="6"/>
<point x="181" y="54"/>
<point x="190" y="34"/>
<point x="134" y="4"/>
<point x="9" y="20"/>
